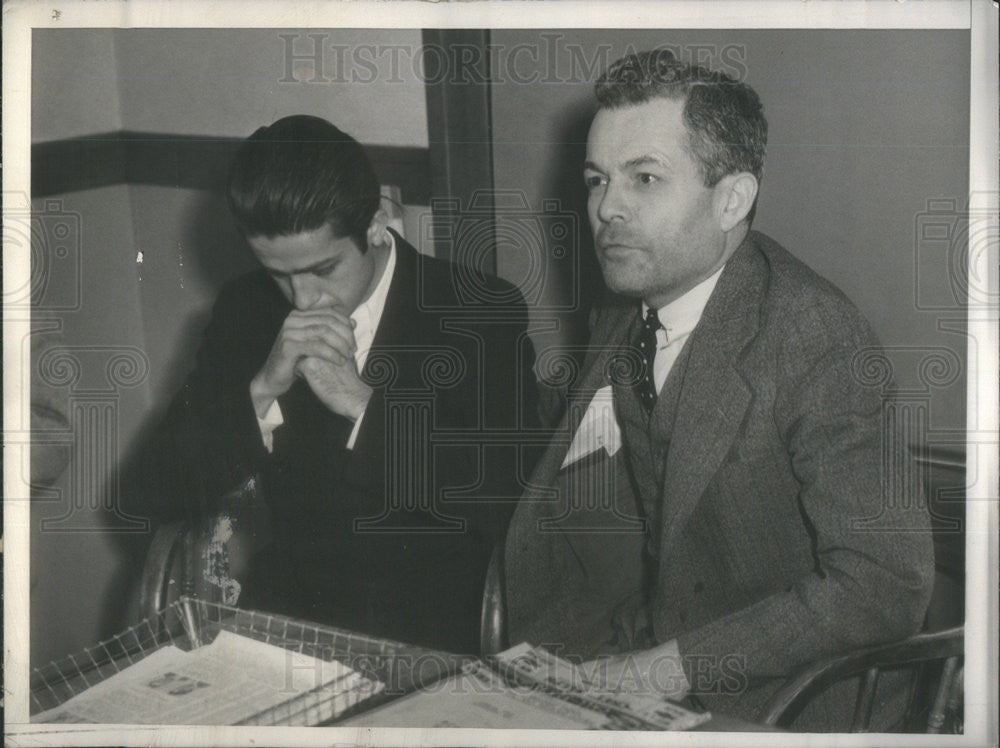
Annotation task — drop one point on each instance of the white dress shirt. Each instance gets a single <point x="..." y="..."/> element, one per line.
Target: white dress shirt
<point x="366" y="318"/>
<point x="679" y="318"/>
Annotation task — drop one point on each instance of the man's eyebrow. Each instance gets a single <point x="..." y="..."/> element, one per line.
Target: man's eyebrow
<point x="307" y="269"/>
<point x="645" y="160"/>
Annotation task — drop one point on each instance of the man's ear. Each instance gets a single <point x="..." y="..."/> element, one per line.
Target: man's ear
<point x="378" y="229"/>
<point x="734" y="195"/>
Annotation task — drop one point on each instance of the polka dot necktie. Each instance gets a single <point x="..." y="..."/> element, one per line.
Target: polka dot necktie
<point x="647" y="347"/>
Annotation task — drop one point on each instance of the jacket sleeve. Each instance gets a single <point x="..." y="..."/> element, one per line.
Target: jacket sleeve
<point x="208" y="442"/>
<point x="859" y="500"/>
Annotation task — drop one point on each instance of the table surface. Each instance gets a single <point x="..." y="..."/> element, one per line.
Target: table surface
<point x="725" y="723"/>
<point x="718" y="722"/>
<point x="404" y="680"/>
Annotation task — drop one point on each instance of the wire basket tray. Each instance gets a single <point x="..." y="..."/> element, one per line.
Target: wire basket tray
<point x="190" y="622"/>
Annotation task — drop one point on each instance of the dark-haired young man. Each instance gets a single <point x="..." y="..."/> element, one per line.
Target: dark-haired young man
<point x="354" y="380"/>
<point x="758" y="461"/>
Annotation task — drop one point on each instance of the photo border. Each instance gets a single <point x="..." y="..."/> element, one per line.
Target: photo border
<point x="982" y="556"/>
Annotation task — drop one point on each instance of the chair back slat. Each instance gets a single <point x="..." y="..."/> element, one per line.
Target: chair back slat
<point x="944" y="648"/>
<point x="935" y="720"/>
<point x="866" y="698"/>
<point x="491" y="628"/>
<point x="156" y="571"/>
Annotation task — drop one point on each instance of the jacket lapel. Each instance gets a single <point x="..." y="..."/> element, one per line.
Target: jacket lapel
<point x="399" y="315"/>
<point x="715" y="395"/>
<point x="609" y="330"/>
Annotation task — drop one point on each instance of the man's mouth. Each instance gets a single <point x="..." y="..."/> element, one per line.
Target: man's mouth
<point x="614" y="249"/>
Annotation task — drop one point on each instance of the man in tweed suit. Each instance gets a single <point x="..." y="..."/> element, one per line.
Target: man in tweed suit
<point x="734" y="516"/>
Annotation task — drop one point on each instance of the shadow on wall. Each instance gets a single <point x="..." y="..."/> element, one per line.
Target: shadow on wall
<point x="175" y="316"/>
<point x="220" y="252"/>
<point x="565" y="184"/>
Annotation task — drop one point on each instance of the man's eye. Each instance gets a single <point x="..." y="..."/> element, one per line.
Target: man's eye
<point x="324" y="271"/>
<point x="647" y="178"/>
<point x="593" y="181"/>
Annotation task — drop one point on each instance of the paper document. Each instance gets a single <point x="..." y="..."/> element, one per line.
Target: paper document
<point x="598" y="429"/>
<point x="528" y="687"/>
<point x="478" y="697"/>
<point x="536" y="665"/>
<point x="234" y="680"/>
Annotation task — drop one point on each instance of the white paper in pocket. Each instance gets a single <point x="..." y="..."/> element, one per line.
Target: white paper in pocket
<point x="598" y="429"/>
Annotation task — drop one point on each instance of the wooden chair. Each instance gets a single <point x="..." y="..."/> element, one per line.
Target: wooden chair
<point x="183" y="559"/>
<point x="164" y="573"/>
<point x="937" y="658"/>
<point x="492" y="625"/>
<point x="187" y="560"/>
<point x="205" y="557"/>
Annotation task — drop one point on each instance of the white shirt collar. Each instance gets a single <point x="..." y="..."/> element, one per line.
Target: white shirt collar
<point x="682" y="315"/>
<point x="369" y="312"/>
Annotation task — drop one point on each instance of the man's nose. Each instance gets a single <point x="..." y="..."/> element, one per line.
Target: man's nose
<point x="304" y="292"/>
<point x="612" y="203"/>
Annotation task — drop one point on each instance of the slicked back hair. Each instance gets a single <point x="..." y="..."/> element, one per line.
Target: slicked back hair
<point x="298" y="174"/>
<point x="724" y="118"/>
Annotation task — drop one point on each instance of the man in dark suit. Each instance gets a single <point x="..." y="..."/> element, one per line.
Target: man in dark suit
<point x="351" y="382"/>
<point x="727" y="500"/>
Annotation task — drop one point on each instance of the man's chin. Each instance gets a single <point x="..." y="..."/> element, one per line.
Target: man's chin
<point x="623" y="285"/>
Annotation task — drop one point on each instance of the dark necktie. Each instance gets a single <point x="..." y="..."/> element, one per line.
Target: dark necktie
<point x="647" y="347"/>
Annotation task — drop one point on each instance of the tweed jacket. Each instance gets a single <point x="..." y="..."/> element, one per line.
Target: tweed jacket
<point x="791" y="526"/>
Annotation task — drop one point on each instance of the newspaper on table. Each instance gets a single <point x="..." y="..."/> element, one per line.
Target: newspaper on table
<point x="544" y="693"/>
<point x="479" y="697"/>
<point x="234" y="680"/>
<point x="540" y="667"/>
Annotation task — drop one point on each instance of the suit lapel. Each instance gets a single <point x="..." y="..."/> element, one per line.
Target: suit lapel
<point x="715" y="395"/>
<point x="535" y="541"/>
<point x="400" y="314"/>
<point x="605" y="343"/>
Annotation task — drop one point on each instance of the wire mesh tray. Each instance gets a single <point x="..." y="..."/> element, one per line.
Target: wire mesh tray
<point x="190" y="623"/>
